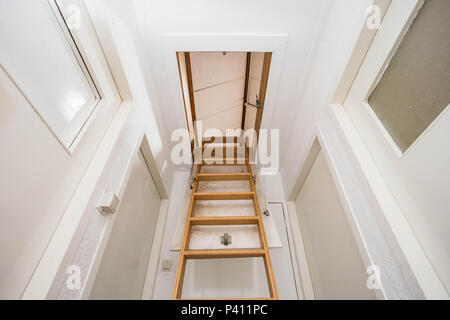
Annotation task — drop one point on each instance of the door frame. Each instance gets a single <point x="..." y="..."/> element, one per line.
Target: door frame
<point x="415" y="268"/>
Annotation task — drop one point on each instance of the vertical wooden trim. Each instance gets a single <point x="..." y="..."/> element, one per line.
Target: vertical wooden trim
<point x="184" y="99"/>
<point x="247" y="75"/>
<point x="262" y="90"/>
<point x="187" y="56"/>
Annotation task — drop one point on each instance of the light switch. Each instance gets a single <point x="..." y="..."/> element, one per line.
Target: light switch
<point x="166" y="265"/>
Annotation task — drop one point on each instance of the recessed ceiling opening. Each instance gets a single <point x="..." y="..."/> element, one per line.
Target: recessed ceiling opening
<point x="223" y="90"/>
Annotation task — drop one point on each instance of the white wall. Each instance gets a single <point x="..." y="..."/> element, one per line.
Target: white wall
<point x="335" y="264"/>
<point x="323" y="77"/>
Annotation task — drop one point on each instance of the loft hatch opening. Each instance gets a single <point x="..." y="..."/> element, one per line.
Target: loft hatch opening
<point x="223" y="90"/>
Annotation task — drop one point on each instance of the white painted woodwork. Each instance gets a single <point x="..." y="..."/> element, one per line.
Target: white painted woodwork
<point x="418" y="178"/>
<point x="39" y="172"/>
<point x="123" y="268"/>
<point x="335" y="264"/>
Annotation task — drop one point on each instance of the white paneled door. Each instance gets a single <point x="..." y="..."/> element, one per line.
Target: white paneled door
<point x="123" y="269"/>
<point x="399" y="105"/>
<point x="57" y="98"/>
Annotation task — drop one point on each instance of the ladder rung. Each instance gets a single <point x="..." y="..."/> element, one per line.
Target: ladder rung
<point x="219" y="254"/>
<point x="224" y="146"/>
<point x="223" y="176"/>
<point x="226" y="152"/>
<point x="225" y="139"/>
<point x="224" y="195"/>
<point x="232" y="299"/>
<point x="224" y="161"/>
<point x="236" y="220"/>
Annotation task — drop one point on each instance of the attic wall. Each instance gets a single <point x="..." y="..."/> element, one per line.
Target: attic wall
<point x="218" y="80"/>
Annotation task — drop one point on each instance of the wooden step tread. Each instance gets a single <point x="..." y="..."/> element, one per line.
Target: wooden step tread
<point x="224" y="139"/>
<point x="224" y="161"/>
<point x="230" y="299"/>
<point x="219" y="254"/>
<point x="228" y="220"/>
<point x="228" y="176"/>
<point x="244" y="195"/>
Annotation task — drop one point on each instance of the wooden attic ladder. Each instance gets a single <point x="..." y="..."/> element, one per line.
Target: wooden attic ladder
<point x="263" y="252"/>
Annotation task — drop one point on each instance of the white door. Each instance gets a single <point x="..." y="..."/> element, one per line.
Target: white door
<point x="57" y="98"/>
<point x="399" y="105"/>
<point x="335" y="264"/>
<point x="122" y="272"/>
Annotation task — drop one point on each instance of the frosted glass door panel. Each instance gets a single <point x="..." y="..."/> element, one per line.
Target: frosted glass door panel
<point x="59" y="86"/>
<point x="414" y="89"/>
<point x="405" y="122"/>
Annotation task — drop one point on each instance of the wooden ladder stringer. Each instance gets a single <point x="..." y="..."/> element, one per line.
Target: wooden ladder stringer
<point x="263" y="252"/>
